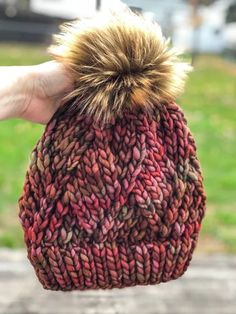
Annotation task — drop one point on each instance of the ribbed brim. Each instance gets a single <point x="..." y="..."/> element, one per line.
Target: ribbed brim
<point x="111" y="265"/>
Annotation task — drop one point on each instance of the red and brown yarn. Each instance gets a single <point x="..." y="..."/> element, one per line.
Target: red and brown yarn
<point x="112" y="204"/>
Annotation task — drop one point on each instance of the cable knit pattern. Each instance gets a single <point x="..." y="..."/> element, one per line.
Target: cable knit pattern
<point x="112" y="205"/>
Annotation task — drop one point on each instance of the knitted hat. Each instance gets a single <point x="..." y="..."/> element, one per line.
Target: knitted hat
<point x="113" y="196"/>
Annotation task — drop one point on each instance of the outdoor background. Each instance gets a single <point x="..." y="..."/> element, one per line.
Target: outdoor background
<point x="206" y="30"/>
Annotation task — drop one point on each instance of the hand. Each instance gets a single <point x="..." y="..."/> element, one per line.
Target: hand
<point x="33" y="93"/>
<point x="50" y="83"/>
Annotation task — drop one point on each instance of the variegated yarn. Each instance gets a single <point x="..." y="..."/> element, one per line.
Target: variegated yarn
<point x="114" y="195"/>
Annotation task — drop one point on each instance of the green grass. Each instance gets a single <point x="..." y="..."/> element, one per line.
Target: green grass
<point x="210" y="106"/>
<point x="22" y="54"/>
<point x="16" y="141"/>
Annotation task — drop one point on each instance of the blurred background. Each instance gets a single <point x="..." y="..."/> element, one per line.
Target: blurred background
<point x="205" y="30"/>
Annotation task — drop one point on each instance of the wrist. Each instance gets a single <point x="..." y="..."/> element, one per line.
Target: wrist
<point x="16" y="88"/>
<point x="27" y="85"/>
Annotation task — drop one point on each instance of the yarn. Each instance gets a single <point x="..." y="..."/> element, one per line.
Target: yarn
<point x="114" y="204"/>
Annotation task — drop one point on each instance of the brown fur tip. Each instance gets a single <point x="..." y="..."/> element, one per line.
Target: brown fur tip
<point x="119" y="61"/>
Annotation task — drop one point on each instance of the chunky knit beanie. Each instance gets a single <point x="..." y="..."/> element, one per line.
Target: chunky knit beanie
<point x="113" y="195"/>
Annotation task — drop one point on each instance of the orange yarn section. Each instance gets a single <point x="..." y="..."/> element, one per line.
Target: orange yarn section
<point x="115" y="205"/>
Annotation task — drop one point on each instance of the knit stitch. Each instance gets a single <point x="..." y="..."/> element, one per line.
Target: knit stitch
<point x="114" y="202"/>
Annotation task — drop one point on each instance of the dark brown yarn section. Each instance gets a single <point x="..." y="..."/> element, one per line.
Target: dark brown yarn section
<point x="115" y="205"/>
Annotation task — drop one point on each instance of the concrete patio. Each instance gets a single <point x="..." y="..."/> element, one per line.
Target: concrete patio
<point x="209" y="286"/>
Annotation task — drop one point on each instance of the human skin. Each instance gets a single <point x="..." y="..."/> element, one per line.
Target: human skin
<point x="33" y="93"/>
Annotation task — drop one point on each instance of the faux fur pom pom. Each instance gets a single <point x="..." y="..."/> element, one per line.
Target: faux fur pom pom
<point x="119" y="61"/>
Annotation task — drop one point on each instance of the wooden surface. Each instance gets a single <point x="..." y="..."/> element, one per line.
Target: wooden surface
<point x="209" y="286"/>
